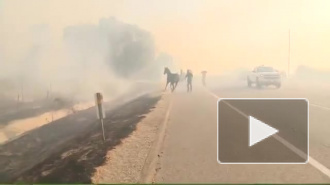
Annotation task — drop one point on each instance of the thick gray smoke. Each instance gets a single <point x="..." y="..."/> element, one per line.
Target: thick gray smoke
<point x="154" y="71"/>
<point x="125" y="48"/>
<point x="311" y="74"/>
<point x="106" y="57"/>
<point x="310" y="77"/>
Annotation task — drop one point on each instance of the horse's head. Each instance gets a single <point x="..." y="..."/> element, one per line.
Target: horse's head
<point x="166" y="70"/>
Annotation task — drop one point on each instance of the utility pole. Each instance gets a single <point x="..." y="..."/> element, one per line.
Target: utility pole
<point x="289" y="52"/>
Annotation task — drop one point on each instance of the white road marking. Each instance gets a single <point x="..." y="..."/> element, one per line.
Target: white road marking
<point x="311" y="160"/>
<point x="319" y="106"/>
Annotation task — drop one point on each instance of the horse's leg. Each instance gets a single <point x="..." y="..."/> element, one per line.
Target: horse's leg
<point x="176" y="84"/>
<point x="166" y="85"/>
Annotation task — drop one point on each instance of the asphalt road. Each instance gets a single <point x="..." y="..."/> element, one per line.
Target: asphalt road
<point x="189" y="151"/>
<point x="288" y="116"/>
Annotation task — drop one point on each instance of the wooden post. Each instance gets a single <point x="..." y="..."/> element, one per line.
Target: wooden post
<point x="102" y="129"/>
<point x="100" y="111"/>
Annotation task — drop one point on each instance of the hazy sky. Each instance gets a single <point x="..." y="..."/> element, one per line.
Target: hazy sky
<point x="215" y="35"/>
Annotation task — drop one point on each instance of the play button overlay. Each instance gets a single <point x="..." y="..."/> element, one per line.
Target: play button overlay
<point x="259" y="131"/>
<point x="263" y="131"/>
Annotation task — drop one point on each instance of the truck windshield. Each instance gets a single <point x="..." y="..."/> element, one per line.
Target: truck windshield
<point x="265" y="69"/>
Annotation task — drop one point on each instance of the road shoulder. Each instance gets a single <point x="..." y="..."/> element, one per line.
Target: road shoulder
<point x="126" y="162"/>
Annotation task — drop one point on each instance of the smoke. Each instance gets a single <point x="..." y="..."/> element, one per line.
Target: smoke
<point x="304" y="77"/>
<point x="310" y="77"/>
<point x="311" y="74"/>
<point x="125" y="48"/>
<point x="106" y="57"/>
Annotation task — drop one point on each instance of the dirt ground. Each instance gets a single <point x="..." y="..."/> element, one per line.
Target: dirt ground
<point x="18" y="110"/>
<point x="69" y="149"/>
<point x="17" y="127"/>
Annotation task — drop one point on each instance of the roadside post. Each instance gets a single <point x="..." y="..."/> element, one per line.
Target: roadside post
<point x="100" y="110"/>
<point x="17" y="105"/>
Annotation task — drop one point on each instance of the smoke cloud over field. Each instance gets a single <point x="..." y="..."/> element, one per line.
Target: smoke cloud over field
<point x="311" y="77"/>
<point x="311" y="74"/>
<point x="125" y="48"/>
<point x="303" y="77"/>
<point x="106" y="57"/>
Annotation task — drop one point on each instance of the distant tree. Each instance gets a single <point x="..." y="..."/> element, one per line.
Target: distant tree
<point x="125" y="48"/>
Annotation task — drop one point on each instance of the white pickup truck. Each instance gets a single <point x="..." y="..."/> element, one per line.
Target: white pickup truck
<point x="263" y="75"/>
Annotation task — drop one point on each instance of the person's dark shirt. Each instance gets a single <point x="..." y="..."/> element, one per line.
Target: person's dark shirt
<point x="189" y="76"/>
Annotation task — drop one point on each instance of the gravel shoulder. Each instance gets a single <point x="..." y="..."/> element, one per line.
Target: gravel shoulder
<point x="125" y="163"/>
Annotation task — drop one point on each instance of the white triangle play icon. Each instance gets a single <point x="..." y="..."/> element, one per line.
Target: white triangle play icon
<point x="259" y="131"/>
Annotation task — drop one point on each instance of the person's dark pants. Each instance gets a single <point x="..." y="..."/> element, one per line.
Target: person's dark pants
<point x="189" y="86"/>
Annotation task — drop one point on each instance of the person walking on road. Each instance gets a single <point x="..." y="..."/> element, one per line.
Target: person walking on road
<point x="203" y="77"/>
<point x="189" y="77"/>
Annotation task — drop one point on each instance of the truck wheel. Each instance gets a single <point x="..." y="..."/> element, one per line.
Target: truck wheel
<point x="249" y="82"/>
